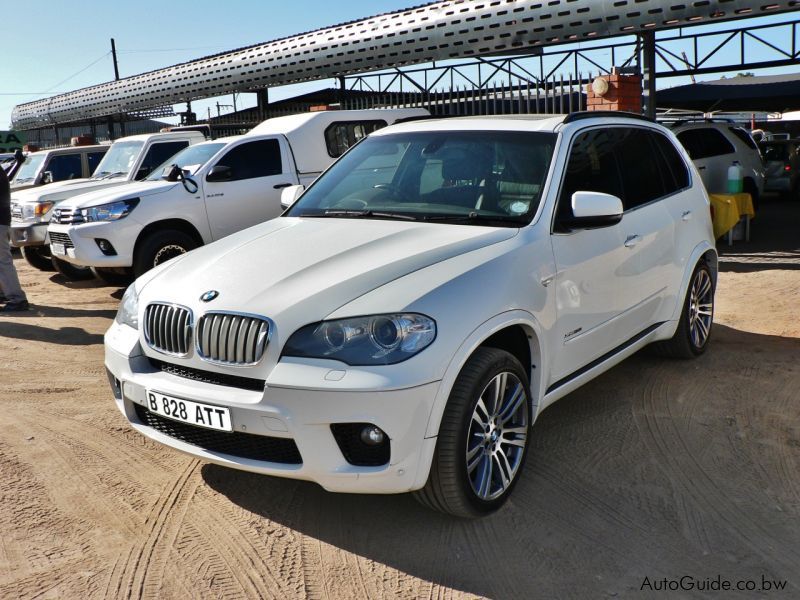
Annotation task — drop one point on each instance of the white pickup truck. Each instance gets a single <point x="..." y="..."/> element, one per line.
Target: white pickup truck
<point x="128" y="159"/>
<point x="216" y="188"/>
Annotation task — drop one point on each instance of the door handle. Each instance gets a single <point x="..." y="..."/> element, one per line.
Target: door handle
<point x="278" y="186"/>
<point x="632" y="241"/>
<point x="687" y="214"/>
<point x="547" y="280"/>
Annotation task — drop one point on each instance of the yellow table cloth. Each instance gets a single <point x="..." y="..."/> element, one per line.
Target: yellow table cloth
<point x="728" y="209"/>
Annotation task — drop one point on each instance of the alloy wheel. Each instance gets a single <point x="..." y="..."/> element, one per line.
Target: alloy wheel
<point x="701" y="308"/>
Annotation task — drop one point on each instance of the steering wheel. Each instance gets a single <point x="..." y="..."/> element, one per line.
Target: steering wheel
<point x="351" y="204"/>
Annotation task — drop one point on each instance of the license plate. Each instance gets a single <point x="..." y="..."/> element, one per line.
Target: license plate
<point x="192" y="413"/>
<point x="59" y="249"/>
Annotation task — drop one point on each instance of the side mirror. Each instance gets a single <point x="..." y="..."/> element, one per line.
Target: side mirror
<point x="290" y="194"/>
<point x="47" y="177"/>
<point x="172" y="173"/>
<point x="220" y="173"/>
<point x="594" y="209"/>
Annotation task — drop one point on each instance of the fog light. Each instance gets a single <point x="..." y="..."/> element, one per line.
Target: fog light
<point x="105" y="247"/>
<point x="372" y="435"/>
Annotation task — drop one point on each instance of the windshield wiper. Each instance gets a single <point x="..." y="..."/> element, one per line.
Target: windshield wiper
<point x="361" y="214"/>
<point x="475" y="218"/>
<point x="112" y="175"/>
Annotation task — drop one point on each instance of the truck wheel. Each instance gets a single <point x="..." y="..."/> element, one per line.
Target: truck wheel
<point x="483" y="438"/>
<point x="116" y="276"/>
<point x="38" y="257"/>
<point x="694" y="328"/>
<point x="158" y="247"/>
<point x="70" y="271"/>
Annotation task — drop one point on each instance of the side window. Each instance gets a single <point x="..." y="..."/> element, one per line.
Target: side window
<point x="674" y="163"/>
<point x="705" y="143"/>
<point x="640" y="165"/>
<point x="743" y="135"/>
<point x="158" y="154"/>
<point x="591" y="167"/>
<point x="261" y="158"/>
<point x="65" y="166"/>
<point x="341" y="135"/>
<point x="93" y="159"/>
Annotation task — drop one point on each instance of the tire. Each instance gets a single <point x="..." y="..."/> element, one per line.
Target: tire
<point x="70" y="271"/>
<point x="113" y="276"/>
<point x="159" y="247"/>
<point x="455" y="488"/>
<point x="690" y="339"/>
<point x="38" y="257"/>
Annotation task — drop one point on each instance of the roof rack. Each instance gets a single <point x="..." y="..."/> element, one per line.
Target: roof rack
<point x="592" y="114"/>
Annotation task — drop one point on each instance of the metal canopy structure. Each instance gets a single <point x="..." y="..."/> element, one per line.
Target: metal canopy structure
<point x="771" y="93"/>
<point x="434" y="32"/>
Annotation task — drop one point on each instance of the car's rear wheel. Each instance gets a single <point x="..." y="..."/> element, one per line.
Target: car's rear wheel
<point x="483" y="438"/>
<point x="160" y="246"/>
<point x="70" y="271"/>
<point x="694" y="328"/>
<point x="38" y="257"/>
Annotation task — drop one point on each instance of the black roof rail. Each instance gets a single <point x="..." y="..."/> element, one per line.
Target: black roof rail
<point x="593" y="114"/>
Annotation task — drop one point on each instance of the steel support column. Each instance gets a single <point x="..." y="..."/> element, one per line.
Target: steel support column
<point x="648" y="39"/>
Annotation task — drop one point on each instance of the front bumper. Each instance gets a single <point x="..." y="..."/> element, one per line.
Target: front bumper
<point x="302" y="415"/>
<point x="28" y="234"/>
<point x="81" y="242"/>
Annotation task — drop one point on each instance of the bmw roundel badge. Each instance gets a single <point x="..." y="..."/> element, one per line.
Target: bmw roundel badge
<point x="209" y="295"/>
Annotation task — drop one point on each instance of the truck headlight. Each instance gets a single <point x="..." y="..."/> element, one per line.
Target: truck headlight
<point x="128" y="311"/>
<point x="109" y="212"/>
<point x="35" y="210"/>
<point x="361" y="341"/>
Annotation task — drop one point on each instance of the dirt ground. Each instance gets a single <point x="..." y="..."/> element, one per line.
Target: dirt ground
<point x="657" y="469"/>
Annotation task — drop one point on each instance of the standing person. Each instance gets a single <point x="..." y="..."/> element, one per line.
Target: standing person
<point x="10" y="291"/>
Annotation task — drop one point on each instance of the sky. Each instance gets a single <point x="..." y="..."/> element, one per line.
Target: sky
<point x="54" y="46"/>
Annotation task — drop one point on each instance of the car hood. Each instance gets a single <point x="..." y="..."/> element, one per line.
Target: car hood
<point x="61" y="190"/>
<point x="132" y="190"/>
<point x="298" y="270"/>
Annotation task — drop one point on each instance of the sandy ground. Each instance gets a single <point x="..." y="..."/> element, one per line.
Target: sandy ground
<point x="656" y="469"/>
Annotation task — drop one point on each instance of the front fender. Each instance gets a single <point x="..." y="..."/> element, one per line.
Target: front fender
<point x="699" y="251"/>
<point x="479" y="335"/>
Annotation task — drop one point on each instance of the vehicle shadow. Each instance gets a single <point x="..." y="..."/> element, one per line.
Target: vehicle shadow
<point x="67" y="336"/>
<point x="39" y="311"/>
<point x="773" y="244"/>
<point x="655" y="469"/>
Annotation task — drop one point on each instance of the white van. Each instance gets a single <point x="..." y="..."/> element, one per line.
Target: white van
<point x="219" y="187"/>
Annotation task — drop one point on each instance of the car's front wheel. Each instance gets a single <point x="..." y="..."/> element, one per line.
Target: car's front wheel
<point x="38" y="257"/>
<point x="483" y="438"/>
<point x="72" y="272"/>
<point x="160" y="246"/>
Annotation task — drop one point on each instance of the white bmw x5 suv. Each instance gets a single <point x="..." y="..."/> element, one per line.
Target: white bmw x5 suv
<point x="404" y="322"/>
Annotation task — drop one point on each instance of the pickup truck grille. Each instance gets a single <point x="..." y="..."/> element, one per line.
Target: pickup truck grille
<point x="67" y="216"/>
<point x="16" y="212"/>
<point x="168" y="328"/>
<point x="232" y="338"/>
<point x="61" y="238"/>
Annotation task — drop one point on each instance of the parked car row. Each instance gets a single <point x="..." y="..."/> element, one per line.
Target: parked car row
<point x="402" y="324"/>
<point x="180" y="192"/>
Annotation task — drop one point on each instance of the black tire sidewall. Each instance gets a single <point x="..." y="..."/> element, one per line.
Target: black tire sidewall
<point x="38" y="257"/>
<point x="685" y="316"/>
<point x="150" y="247"/>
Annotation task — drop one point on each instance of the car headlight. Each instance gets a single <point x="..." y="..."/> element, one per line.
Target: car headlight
<point x="109" y="212"/>
<point x="35" y="210"/>
<point x="128" y="311"/>
<point x="361" y="341"/>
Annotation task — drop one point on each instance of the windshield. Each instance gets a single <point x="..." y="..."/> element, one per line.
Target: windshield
<point x="28" y="169"/>
<point x="189" y="159"/>
<point x="119" y="159"/>
<point x="471" y="177"/>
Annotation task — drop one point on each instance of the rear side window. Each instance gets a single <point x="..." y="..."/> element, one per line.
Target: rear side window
<point x="742" y="134"/>
<point x="676" y="175"/>
<point x="341" y="135"/>
<point x="592" y="167"/>
<point x="705" y="143"/>
<point x="641" y="167"/>
<point x="157" y="154"/>
<point x="65" y="166"/>
<point x="93" y="159"/>
<point x="261" y="158"/>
